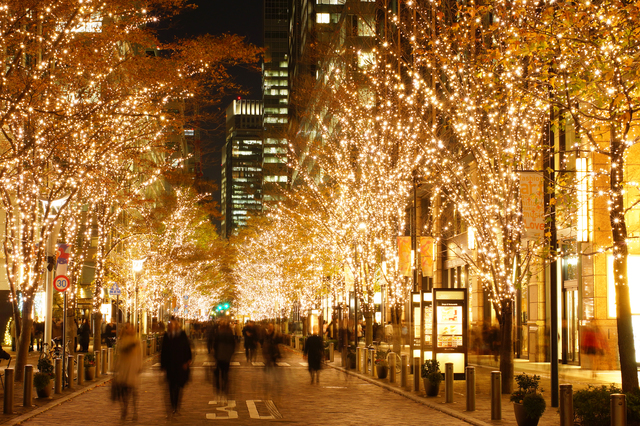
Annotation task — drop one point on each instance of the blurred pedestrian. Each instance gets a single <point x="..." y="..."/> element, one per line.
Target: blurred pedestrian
<point x="313" y="352"/>
<point x="224" y="347"/>
<point x="127" y="371"/>
<point x="250" y="335"/>
<point x="270" y="349"/>
<point x="84" y="335"/>
<point x="175" y="360"/>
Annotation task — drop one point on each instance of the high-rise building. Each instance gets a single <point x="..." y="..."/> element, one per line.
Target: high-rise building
<point x="242" y="156"/>
<point x="275" y="94"/>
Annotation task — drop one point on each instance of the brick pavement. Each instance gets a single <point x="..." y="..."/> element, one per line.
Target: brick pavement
<point x="282" y="396"/>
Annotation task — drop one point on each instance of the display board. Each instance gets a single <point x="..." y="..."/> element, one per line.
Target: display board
<point x="451" y="328"/>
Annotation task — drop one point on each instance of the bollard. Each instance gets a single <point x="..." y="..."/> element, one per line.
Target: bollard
<point x="358" y="360"/>
<point x="448" y="382"/>
<point x="80" y="369"/>
<point x="566" y="405"/>
<point x="471" y="388"/>
<point x="110" y="358"/>
<point x="331" y="352"/>
<point x="372" y="362"/>
<point x="70" y="371"/>
<point x="103" y="358"/>
<point x="618" y="409"/>
<point x="96" y="354"/>
<point x="27" y="386"/>
<point x="496" y="395"/>
<point x="416" y="374"/>
<point x="58" y="372"/>
<point x="403" y="370"/>
<point x="8" y="390"/>
<point x="392" y="367"/>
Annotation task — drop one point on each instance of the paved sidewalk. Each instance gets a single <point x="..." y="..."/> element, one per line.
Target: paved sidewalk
<point x="573" y="375"/>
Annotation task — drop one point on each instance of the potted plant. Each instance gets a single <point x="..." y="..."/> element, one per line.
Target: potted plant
<point x="89" y="366"/>
<point x="43" y="379"/>
<point x="382" y="366"/>
<point x="431" y="376"/>
<point x="528" y="402"/>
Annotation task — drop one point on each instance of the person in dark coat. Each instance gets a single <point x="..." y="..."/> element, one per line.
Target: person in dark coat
<point x="175" y="360"/>
<point x="250" y="335"/>
<point x="313" y="351"/>
<point x="85" y="336"/>
<point x="224" y="347"/>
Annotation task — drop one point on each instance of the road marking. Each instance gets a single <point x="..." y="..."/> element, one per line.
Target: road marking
<point x="228" y="408"/>
<point x="253" y="410"/>
<point x="157" y="364"/>
<point x="208" y="364"/>
<point x="234" y="363"/>
<point x="304" y="364"/>
<point x="334" y="387"/>
<point x="282" y="364"/>
<point x="258" y="364"/>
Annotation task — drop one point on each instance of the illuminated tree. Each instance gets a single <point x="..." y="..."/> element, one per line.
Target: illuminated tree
<point x="586" y="55"/>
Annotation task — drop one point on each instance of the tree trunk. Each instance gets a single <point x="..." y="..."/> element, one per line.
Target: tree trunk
<point x="397" y="330"/>
<point x="97" y="335"/>
<point x="506" y="343"/>
<point x="626" y="344"/>
<point x="24" y="339"/>
<point x="368" y="334"/>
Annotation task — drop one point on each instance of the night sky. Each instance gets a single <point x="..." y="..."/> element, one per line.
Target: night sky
<point x="242" y="17"/>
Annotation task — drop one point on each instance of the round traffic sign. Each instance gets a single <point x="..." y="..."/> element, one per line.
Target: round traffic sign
<point x="61" y="283"/>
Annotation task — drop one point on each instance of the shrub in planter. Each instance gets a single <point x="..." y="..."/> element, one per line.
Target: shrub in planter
<point x="431" y="371"/>
<point x="591" y="406"/>
<point x="533" y="403"/>
<point x="42" y="380"/>
<point x="89" y="360"/>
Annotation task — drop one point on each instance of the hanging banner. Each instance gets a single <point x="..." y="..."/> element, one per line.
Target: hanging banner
<point x="63" y="251"/>
<point x="404" y="256"/>
<point x="532" y="194"/>
<point x="426" y="256"/>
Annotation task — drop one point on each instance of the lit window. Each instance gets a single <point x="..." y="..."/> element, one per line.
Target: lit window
<point x="323" y="18"/>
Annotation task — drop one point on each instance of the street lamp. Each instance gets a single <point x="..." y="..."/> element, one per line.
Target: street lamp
<point x="136" y="266"/>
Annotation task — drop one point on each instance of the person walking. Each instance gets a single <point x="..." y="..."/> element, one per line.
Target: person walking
<point x="313" y="351"/>
<point x="250" y="335"/>
<point x="224" y="346"/>
<point x="127" y="372"/>
<point x="175" y="360"/>
<point x="85" y="335"/>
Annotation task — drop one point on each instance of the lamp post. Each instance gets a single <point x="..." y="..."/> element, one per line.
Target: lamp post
<point x="136" y="266"/>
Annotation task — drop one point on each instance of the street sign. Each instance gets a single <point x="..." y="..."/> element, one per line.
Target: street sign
<point x="61" y="283"/>
<point x="115" y="291"/>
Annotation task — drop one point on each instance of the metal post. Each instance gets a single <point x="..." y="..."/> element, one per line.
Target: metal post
<point x="392" y="367"/>
<point x="618" y="409"/>
<point x="404" y="359"/>
<point x="358" y="360"/>
<point x="27" y="386"/>
<point x="496" y="395"/>
<point x="70" y="371"/>
<point x="110" y="357"/>
<point x="80" y="369"/>
<point x="372" y="360"/>
<point x="566" y="405"/>
<point x="96" y="354"/>
<point x="103" y="358"/>
<point x="331" y="352"/>
<point x="416" y="374"/>
<point x="58" y="380"/>
<point x="8" y="390"/>
<point x="471" y="388"/>
<point x="448" y="382"/>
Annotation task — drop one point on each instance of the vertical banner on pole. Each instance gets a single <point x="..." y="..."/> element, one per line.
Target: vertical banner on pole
<point x="426" y="256"/>
<point x="404" y="256"/>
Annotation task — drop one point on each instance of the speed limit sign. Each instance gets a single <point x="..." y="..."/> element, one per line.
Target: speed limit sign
<point x="61" y="283"/>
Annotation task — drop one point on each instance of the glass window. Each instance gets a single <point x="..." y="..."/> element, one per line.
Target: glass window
<point x="323" y="18"/>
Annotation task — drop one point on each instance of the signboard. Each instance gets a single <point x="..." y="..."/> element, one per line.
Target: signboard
<point x="115" y="291"/>
<point x="450" y="312"/>
<point x="532" y="194"/>
<point x="61" y="283"/>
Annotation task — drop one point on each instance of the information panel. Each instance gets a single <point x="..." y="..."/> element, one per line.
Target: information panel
<point x="451" y="328"/>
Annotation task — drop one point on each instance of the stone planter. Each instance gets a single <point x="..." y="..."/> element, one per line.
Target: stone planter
<point x="90" y="373"/>
<point x="46" y="391"/>
<point x="521" y="416"/>
<point x="381" y="371"/>
<point x="432" y="389"/>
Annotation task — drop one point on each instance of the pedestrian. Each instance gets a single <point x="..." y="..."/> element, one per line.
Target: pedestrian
<point x="175" y="360"/>
<point x="313" y="352"/>
<point x="224" y="347"/>
<point x="85" y="335"/>
<point x="127" y="373"/>
<point x="270" y="349"/>
<point x="250" y="341"/>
